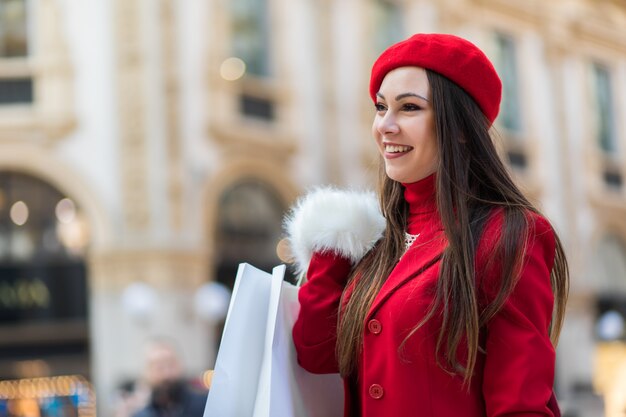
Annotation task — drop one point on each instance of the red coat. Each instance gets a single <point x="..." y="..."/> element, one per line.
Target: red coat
<point x="513" y="378"/>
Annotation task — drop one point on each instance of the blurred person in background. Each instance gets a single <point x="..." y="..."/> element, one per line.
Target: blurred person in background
<point x="170" y="393"/>
<point x="130" y="397"/>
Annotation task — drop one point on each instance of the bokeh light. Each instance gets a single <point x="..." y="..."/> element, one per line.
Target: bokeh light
<point x="232" y="69"/>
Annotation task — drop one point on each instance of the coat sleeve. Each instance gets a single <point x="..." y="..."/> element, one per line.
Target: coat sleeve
<point x="315" y="330"/>
<point x="520" y="358"/>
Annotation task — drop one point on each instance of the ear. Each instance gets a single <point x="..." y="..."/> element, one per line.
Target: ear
<point x="348" y="223"/>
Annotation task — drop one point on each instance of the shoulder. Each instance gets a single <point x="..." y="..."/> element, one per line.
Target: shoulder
<point x="196" y="401"/>
<point x="537" y="235"/>
<point x="537" y="226"/>
<point x="532" y="245"/>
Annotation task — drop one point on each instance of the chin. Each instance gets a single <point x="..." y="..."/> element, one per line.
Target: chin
<point x="398" y="177"/>
<point x="406" y="178"/>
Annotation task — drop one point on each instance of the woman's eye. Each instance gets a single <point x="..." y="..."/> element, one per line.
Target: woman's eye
<point x="380" y="107"/>
<point x="411" y="107"/>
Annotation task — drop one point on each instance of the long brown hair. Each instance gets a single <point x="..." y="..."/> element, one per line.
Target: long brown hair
<point x="471" y="181"/>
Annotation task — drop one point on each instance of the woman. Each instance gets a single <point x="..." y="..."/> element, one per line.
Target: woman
<point x="451" y="306"/>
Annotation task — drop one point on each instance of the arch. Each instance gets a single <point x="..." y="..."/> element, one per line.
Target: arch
<point x="56" y="271"/>
<point x="236" y="171"/>
<point x="240" y="170"/>
<point x="32" y="160"/>
<point x="249" y="228"/>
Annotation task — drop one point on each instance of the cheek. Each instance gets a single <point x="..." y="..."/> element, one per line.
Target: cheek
<point x="429" y="147"/>
<point x="375" y="128"/>
<point x="376" y="134"/>
<point x="431" y="138"/>
<point x="434" y="152"/>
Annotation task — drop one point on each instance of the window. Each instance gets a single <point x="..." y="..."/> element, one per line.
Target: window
<point x="16" y="90"/>
<point x="604" y="111"/>
<point x="506" y="63"/>
<point x="13" y="30"/>
<point x="16" y="85"/>
<point x="604" y="126"/>
<point x="517" y="158"/>
<point x="257" y="107"/>
<point x="250" y="50"/>
<point x="250" y="35"/>
<point x="388" y="24"/>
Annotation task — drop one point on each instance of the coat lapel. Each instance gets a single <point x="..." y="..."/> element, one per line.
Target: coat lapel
<point x="432" y="254"/>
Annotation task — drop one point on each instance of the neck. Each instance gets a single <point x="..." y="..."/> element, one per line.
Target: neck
<point x="421" y="197"/>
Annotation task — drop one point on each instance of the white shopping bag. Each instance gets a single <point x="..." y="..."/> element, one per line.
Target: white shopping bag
<point x="272" y="384"/>
<point x="237" y="368"/>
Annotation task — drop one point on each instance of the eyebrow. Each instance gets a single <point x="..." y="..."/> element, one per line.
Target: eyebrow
<point x="404" y="95"/>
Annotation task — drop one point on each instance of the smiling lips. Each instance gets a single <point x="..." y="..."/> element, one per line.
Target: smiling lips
<point x="395" y="151"/>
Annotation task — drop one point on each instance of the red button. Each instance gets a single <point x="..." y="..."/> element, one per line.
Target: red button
<point x="374" y="326"/>
<point x="376" y="391"/>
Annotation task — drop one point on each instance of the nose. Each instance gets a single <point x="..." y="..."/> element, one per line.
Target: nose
<point x="387" y="124"/>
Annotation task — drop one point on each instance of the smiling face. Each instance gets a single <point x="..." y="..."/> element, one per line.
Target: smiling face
<point x="404" y="126"/>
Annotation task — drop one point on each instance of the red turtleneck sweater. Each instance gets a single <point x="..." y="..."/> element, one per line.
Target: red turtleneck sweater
<point x="513" y="378"/>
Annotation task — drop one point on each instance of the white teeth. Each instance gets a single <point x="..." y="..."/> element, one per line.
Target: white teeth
<point x="396" y="149"/>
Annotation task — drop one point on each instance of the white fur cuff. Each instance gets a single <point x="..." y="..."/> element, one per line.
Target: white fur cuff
<point x="348" y="223"/>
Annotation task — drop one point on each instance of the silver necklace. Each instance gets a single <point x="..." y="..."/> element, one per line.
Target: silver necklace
<point x="409" y="239"/>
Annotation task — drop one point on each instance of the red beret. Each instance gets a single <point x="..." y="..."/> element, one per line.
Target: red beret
<point x="455" y="58"/>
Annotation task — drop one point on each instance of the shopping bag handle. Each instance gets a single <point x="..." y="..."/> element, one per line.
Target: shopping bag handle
<point x="301" y="279"/>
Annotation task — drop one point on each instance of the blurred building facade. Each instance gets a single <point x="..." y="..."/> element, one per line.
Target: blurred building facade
<point x="148" y="147"/>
